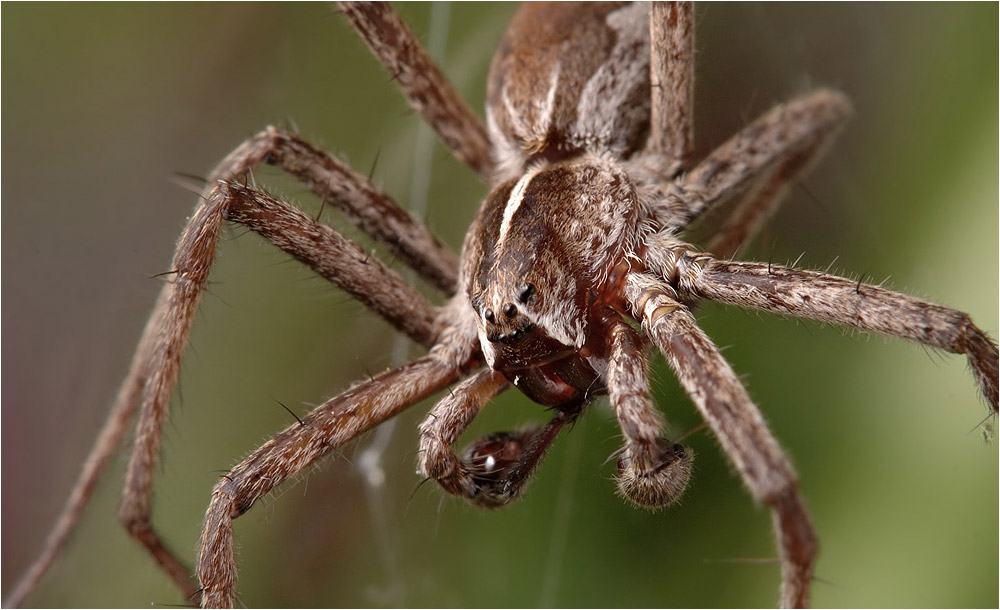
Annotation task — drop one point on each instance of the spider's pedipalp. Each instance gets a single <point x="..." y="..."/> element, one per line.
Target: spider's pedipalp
<point x="494" y="469"/>
<point x="443" y="425"/>
<point x="656" y="484"/>
<point x="501" y="464"/>
<point x="652" y="470"/>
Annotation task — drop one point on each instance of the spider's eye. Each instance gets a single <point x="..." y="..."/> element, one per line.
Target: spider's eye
<point x="509" y="310"/>
<point x="525" y="291"/>
<point x="488" y="314"/>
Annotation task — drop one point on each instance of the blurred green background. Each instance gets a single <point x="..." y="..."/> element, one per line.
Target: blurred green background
<point x="103" y="103"/>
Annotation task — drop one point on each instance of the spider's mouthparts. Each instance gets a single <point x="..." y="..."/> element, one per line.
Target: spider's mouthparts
<point x="660" y="484"/>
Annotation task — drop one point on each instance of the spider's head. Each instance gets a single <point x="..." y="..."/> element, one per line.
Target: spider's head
<point x="514" y="328"/>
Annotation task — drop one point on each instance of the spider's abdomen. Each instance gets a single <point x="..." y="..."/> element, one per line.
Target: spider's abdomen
<point x="569" y="77"/>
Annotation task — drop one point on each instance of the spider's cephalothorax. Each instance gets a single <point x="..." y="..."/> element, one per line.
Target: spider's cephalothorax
<point x="539" y="260"/>
<point x="573" y="270"/>
<point x="545" y="261"/>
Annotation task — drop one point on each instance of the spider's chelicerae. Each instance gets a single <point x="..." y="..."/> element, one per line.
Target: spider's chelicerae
<point x="786" y="155"/>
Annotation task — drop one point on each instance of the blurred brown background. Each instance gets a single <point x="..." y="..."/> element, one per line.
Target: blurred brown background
<point x="103" y="103"/>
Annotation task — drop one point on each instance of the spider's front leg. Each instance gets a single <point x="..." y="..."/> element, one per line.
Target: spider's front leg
<point x="837" y="300"/>
<point x="326" y="251"/>
<point x="155" y="366"/>
<point x="724" y="403"/>
<point x="327" y="427"/>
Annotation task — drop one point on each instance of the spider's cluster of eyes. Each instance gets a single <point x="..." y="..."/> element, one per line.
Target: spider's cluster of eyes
<point x="509" y="310"/>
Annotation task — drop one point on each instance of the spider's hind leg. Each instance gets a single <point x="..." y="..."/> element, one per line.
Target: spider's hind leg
<point x="671" y="132"/>
<point x="770" y="151"/>
<point x="288" y="453"/>
<point x="422" y="82"/>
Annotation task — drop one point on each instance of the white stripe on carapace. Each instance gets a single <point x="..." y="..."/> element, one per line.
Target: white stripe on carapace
<point x="516" y="197"/>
